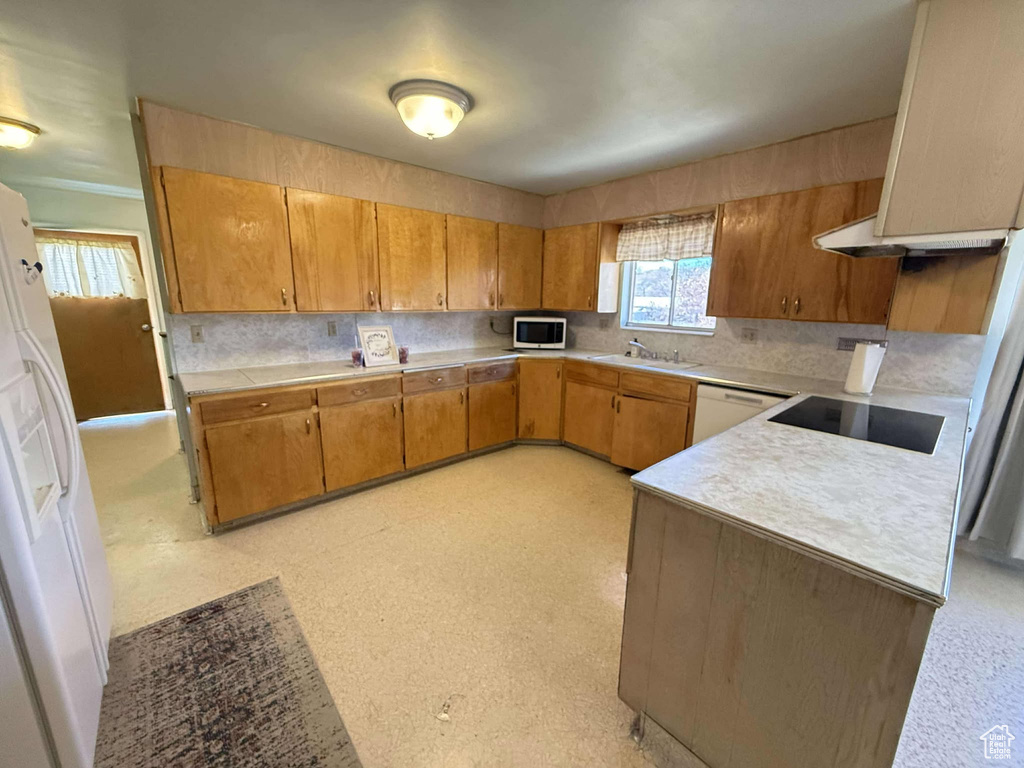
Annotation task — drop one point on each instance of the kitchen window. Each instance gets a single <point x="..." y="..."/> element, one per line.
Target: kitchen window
<point x="667" y="271"/>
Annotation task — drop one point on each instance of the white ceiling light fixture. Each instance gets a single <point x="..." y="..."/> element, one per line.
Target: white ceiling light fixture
<point x="429" y="107"/>
<point x="15" y="134"/>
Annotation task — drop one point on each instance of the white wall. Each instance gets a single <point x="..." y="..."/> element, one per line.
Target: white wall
<point x="83" y="211"/>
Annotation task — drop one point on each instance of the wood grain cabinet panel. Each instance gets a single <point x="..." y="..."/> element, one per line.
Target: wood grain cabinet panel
<point x="492" y="414"/>
<point x="334" y="252"/>
<point x="361" y="441"/>
<point x="435" y="426"/>
<point x="570" y="267"/>
<point x="252" y="404"/>
<point x="229" y="243"/>
<point x="264" y="463"/>
<point x="589" y="417"/>
<point x="647" y="431"/>
<point x="433" y="379"/>
<point x="520" y="266"/>
<point x="765" y="264"/>
<point x="472" y="263"/>
<point x="540" y="399"/>
<point x="411" y="246"/>
<point x="950" y="294"/>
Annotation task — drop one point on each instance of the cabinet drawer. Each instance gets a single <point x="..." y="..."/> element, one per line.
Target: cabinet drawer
<point x="359" y="390"/>
<point x="256" y="404"/>
<point x="437" y="378"/>
<point x="667" y="387"/>
<point x="588" y="373"/>
<point x="505" y="369"/>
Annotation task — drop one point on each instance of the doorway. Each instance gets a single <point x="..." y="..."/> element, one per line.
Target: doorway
<point x="101" y="312"/>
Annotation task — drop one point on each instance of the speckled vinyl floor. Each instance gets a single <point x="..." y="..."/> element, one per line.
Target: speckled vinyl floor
<point x="491" y="589"/>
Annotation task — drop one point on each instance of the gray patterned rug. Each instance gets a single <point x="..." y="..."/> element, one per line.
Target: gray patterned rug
<point x="229" y="683"/>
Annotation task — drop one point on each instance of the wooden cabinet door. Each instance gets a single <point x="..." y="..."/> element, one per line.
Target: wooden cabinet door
<point x="830" y="287"/>
<point x="472" y="263"/>
<point x="435" y="426"/>
<point x="647" y="431"/>
<point x="750" y="272"/>
<point x="334" y="252"/>
<point x="264" y="463"/>
<point x="412" y="258"/>
<point x="540" y="399"/>
<point x="230" y="241"/>
<point x="589" y="417"/>
<point x="492" y="414"/>
<point x="361" y="441"/>
<point x="520" y="266"/>
<point x="947" y="295"/>
<point x="570" y="267"/>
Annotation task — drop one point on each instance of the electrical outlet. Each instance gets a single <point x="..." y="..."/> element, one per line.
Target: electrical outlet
<point x="748" y="335"/>
<point x="332" y="328"/>
<point x="197" y="334"/>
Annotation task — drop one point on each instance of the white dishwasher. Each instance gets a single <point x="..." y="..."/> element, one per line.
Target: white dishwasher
<point x="719" y="408"/>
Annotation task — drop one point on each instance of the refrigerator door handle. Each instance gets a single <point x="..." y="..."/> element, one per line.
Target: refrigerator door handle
<point x="34" y="354"/>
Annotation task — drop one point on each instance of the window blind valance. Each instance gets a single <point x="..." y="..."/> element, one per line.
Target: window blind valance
<point x="667" y="238"/>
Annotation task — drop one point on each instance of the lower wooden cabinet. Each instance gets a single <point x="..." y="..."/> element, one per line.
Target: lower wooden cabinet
<point x="263" y="463"/>
<point x="435" y="426"/>
<point x="589" y="417"/>
<point x="540" y="399"/>
<point x="647" y="431"/>
<point x="492" y="414"/>
<point x="361" y="442"/>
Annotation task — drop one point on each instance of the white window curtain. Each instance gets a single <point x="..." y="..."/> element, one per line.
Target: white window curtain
<point x="90" y="268"/>
<point x="667" y="238"/>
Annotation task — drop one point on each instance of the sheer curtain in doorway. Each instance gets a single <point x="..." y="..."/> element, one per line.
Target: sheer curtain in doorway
<point x="80" y="266"/>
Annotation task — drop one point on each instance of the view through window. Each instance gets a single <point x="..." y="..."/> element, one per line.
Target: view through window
<point x="669" y="294"/>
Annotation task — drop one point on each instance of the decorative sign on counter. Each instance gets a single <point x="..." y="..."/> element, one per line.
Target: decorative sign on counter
<point x="378" y="345"/>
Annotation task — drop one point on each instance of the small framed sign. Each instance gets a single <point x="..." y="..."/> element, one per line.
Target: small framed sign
<point x="378" y="345"/>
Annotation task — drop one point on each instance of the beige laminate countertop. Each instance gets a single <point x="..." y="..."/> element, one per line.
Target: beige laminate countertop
<point x="884" y="513"/>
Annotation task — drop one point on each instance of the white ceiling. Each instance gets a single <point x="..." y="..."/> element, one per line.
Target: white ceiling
<point x="567" y="93"/>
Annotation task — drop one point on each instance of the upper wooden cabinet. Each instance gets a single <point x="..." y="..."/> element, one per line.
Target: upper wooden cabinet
<point x="412" y="258"/>
<point x="520" y="265"/>
<point x="951" y="294"/>
<point x="765" y="264"/>
<point x="957" y="159"/>
<point x="472" y="263"/>
<point x="580" y="271"/>
<point x="334" y="252"/>
<point x="226" y="243"/>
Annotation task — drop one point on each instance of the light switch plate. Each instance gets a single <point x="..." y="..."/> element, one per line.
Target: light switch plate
<point x="748" y="335"/>
<point x="332" y="328"/>
<point x="197" y="334"/>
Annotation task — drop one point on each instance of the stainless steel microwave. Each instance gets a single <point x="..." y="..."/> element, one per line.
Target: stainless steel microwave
<point x="538" y="333"/>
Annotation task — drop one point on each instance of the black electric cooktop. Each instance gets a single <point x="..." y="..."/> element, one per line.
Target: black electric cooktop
<point x="863" y="421"/>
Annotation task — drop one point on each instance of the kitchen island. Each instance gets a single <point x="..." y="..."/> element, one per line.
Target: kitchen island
<point x="781" y="587"/>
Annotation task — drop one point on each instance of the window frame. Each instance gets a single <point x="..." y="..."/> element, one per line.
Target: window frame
<point x="626" y="304"/>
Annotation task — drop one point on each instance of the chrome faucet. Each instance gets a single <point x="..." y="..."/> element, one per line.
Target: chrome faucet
<point x="640" y="349"/>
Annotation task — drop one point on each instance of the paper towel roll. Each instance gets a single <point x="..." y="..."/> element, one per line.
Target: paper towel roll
<point x="867" y="359"/>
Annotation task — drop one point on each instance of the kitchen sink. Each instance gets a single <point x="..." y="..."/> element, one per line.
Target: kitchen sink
<point x="638" y="362"/>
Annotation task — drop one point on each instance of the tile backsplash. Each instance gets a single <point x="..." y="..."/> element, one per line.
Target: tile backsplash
<point x="921" y="361"/>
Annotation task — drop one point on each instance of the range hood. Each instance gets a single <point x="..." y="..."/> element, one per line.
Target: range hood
<point x="858" y="239"/>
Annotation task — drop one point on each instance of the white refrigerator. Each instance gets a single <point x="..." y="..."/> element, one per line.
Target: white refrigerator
<point x="55" y="592"/>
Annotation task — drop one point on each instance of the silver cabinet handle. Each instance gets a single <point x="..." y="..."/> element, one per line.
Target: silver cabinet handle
<point x="462" y="397"/>
<point x="264" y="405"/>
<point x="308" y="427"/>
<point x="491" y="299"/>
<point x="394" y="409"/>
<point x="785" y="303"/>
<point x="440" y="300"/>
<point x="372" y="299"/>
<point x="359" y="392"/>
<point x="613" y="401"/>
<point x="796" y="305"/>
<point x="146" y="327"/>
<point x="439" y="379"/>
<point x="501" y="299"/>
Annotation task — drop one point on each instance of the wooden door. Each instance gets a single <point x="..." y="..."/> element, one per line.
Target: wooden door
<point x="230" y="243"/>
<point x="589" y="417"/>
<point x="647" y="431"/>
<point x="472" y="263"/>
<point x="570" y="267"/>
<point x="334" y="252"/>
<point x="750" y="273"/>
<point x="109" y="355"/>
<point x="492" y="414"/>
<point x="520" y="266"/>
<point x="412" y="258"/>
<point x="540" y="399"/>
<point x="435" y="426"/>
<point x="830" y="287"/>
<point x="264" y="463"/>
<point x="361" y="442"/>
